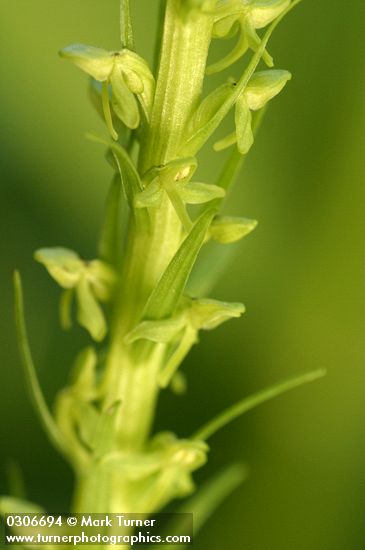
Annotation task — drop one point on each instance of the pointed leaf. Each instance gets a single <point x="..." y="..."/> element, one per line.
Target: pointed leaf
<point x="166" y="295"/>
<point x="34" y="389"/>
<point x="225" y="229"/>
<point x="253" y="401"/>
<point x="96" y="62"/>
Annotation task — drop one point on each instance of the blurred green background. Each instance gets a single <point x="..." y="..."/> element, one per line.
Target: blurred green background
<point x="301" y="274"/>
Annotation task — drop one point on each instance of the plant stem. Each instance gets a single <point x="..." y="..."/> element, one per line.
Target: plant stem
<point x="132" y="370"/>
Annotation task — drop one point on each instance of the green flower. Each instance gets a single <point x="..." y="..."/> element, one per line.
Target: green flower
<point x="173" y="179"/>
<point x="128" y="76"/>
<point x="181" y="331"/>
<point x="263" y="86"/>
<point x="244" y="16"/>
<point x="91" y="282"/>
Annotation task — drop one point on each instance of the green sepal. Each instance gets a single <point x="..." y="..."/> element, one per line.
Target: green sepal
<point x="208" y="314"/>
<point x="123" y="101"/>
<point x="227" y="230"/>
<point x="64" y="265"/>
<point x="210" y="106"/>
<point x="101" y="278"/>
<point x="225" y="27"/>
<point x="89" y="313"/>
<point x="65" y="307"/>
<point x="166" y="295"/>
<point x="200" y="193"/>
<point x="263" y="86"/>
<point x="96" y="62"/>
<point x="263" y="12"/>
<point x="243" y="120"/>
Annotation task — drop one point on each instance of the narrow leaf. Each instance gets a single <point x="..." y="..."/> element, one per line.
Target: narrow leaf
<point x="34" y="389"/>
<point x="167" y="293"/>
<point x="110" y="242"/>
<point x="207" y="500"/>
<point x="253" y="401"/>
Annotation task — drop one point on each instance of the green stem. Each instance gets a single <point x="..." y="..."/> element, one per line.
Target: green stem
<point x="132" y="370"/>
